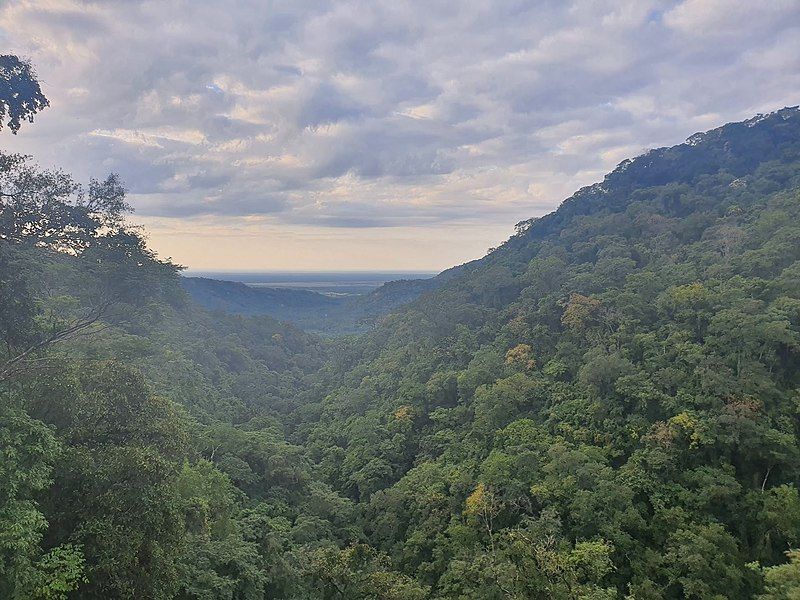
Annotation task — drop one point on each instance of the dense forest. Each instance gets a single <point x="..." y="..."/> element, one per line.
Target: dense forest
<point x="313" y="311"/>
<point x="605" y="406"/>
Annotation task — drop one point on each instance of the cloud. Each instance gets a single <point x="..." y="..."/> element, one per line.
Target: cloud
<point x="728" y="17"/>
<point x="377" y="113"/>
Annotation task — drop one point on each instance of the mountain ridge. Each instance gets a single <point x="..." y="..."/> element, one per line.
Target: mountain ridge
<point x="316" y="312"/>
<point x="599" y="380"/>
<point x="609" y="194"/>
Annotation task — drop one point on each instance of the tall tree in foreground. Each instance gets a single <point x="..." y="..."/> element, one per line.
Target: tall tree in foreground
<point x="45" y="217"/>
<point x="68" y="260"/>
<point x="28" y="448"/>
<point x="21" y="95"/>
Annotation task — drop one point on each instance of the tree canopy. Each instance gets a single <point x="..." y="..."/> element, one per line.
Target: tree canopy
<point x="21" y="95"/>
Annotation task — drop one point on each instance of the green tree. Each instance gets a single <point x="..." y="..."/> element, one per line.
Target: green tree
<point x="782" y="582"/>
<point x="21" y="96"/>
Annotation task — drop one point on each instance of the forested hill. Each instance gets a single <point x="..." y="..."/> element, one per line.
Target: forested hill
<point x="735" y="150"/>
<point x="309" y="310"/>
<point x="606" y="406"/>
<point x="238" y="298"/>
<point x="680" y="195"/>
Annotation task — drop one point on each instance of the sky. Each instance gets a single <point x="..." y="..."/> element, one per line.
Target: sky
<point x="379" y="134"/>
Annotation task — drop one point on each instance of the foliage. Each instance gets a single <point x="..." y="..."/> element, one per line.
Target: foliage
<point x="783" y="581"/>
<point x="21" y="96"/>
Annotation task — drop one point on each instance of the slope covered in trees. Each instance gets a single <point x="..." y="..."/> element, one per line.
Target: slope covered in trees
<point x="606" y="406"/>
<point x="312" y="311"/>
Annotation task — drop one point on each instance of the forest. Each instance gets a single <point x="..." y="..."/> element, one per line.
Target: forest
<point x="607" y="406"/>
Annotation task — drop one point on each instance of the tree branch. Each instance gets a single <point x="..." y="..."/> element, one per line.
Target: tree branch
<point x="16" y="364"/>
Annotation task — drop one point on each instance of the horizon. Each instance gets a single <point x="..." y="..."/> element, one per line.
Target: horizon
<point x="375" y="137"/>
<point x="329" y="283"/>
<point x="310" y="272"/>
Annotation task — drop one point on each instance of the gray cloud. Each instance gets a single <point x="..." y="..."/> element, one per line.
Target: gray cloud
<point x="380" y="113"/>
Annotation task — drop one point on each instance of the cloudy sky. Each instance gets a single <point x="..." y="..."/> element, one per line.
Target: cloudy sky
<point x="379" y="134"/>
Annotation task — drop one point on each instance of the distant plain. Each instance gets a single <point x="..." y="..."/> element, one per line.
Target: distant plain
<point x="330" y="283"/>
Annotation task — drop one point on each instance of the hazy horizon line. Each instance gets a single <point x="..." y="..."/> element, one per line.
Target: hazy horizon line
<point x="310" y="271"/>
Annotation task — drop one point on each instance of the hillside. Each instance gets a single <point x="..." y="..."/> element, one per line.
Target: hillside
<point x="614" y="389"/>
<point x="312" y="311"/>
<point x="298" y="306"/>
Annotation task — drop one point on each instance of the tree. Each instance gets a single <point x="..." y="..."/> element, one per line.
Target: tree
<point x="216" y="561"/>
<point x="354" y="573"/>
<point x="782" y="582"/>
<point x="115" y="482"/>
<point x="21" y="96"/>
<point x="29" y="450"/>
<point x="46" y="217"/>
<point x="48" y="209"/>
